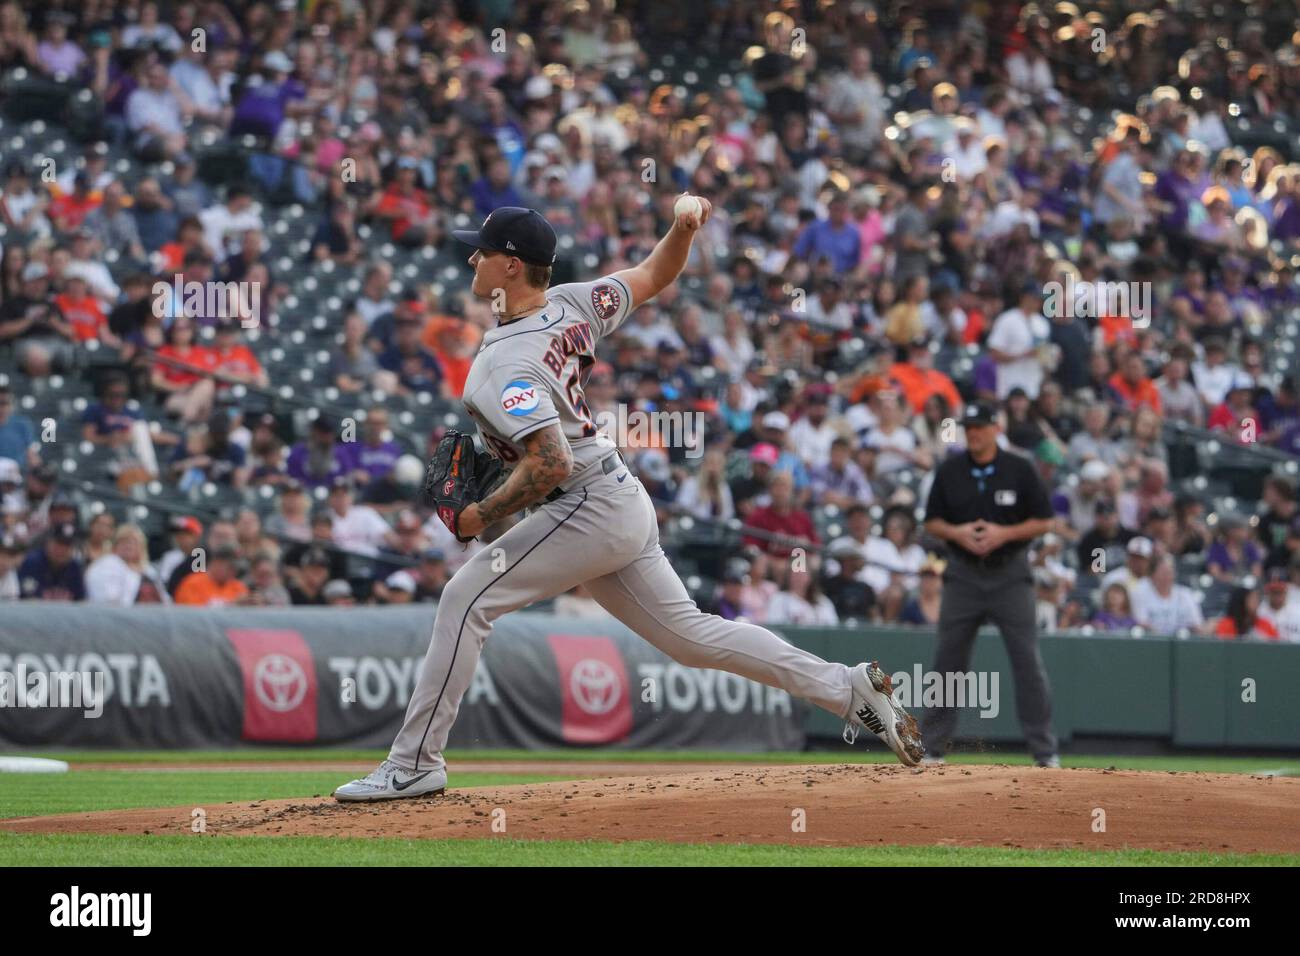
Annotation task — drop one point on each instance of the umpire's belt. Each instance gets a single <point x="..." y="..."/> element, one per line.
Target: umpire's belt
<point x="989" y="561"/>
<point x="610" y="462"/>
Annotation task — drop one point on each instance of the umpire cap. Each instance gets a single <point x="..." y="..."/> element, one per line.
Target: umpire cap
<point x="515" y="231"/>
<point x="978" y="413"/>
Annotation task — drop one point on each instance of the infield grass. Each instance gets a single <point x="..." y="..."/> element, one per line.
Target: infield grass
<point x="83" y="790"/>
<point x="95" y="850"/>
<point x="23" y="795"/>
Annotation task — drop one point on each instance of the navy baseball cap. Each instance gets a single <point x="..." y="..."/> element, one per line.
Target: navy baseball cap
<point x="514" y="231"/>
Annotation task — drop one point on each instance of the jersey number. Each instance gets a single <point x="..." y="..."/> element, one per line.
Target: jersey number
<point x="579" y="404"/>
<point x="501" y="448"/>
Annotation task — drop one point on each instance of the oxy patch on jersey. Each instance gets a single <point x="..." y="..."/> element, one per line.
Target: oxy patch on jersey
<point x="520" y="397"/>
<point x="605" y="299"/>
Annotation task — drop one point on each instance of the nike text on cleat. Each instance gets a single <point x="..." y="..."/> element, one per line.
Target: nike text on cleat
<point x="388" y="781"/>
<point x="874" y="708"/>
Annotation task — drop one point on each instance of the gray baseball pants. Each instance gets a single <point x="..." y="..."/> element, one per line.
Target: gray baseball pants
<point x="603" y="535"/>
<point x="1004" y="596"/>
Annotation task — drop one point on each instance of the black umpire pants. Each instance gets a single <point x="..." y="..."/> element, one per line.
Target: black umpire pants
<point x="1003" y="596"/>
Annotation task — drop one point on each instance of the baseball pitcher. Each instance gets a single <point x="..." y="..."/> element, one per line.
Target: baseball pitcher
<point x="589" y="521"/>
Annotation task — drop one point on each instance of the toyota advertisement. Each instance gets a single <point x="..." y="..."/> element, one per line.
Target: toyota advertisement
<point x="185" y="677"/>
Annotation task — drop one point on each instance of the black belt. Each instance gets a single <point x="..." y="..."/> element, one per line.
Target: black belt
<point x="988" y="562"/>
<point x="611" y="462"/>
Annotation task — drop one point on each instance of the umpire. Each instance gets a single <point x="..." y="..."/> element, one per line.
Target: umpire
<point x="988" y="504"/>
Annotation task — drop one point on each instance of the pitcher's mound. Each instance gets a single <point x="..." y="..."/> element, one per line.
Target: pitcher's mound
<point x="846" y="805"/>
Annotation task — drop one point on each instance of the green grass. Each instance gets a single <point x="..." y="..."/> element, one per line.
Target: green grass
<point x="89" y="790"/>
<point x="82" y="791"/>
<point x="39" y="794"/>
<point x="90" y="850"/>
<point x="1207" y="763"/>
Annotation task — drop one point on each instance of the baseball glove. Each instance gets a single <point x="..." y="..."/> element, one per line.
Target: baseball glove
<point x="458" y="475"/>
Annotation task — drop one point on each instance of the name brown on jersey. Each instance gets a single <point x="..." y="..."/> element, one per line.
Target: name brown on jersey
<point x="577" y="339"/>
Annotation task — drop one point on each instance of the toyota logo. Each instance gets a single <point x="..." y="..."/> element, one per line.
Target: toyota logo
<point x="279" y="682"/>
<point x="595" y="686"/>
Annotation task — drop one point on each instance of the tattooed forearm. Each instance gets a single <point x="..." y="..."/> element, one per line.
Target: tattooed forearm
<point x="547" y="462"/>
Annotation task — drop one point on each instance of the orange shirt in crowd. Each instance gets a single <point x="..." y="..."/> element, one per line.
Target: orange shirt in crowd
<point x="867" y="386"/>
<point x="198" y="589"/>
<point x="236" y="360"/>
<point x="455" y="370"/>
<point x="1117" y="328"/>
<point x="172" y="255"/>
<point x="919" y="384"/>
<point x="1226" y="629"/>
<point x="1135" y="396"/>
<point x="199" y="357"/>
<point x="411" y="208"/>
<point x="455" y="342"/>
<point x="84" y="314"/>
<point x="974" y="330"/>
<point x="68" y="210"/>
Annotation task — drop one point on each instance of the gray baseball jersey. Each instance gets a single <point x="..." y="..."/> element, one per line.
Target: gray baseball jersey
<point x="530" y="373"/>
<point x="602" y="533"/>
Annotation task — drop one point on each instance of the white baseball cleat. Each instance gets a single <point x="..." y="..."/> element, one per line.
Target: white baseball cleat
<point x="388" y="781"/>
<point x="874" y="707"/>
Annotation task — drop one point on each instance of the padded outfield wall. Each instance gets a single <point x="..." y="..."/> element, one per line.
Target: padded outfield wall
<point x="181" y="677"/>
<point x="1195" y="692"/>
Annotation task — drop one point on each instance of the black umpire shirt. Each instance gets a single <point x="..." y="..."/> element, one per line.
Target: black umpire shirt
<point x="1006" y="491"/>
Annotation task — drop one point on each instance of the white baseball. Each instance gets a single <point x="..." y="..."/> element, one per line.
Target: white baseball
<point x="687" y="206"/>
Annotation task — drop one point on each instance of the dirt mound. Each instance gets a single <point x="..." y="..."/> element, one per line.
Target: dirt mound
<point x="837" y="805"/>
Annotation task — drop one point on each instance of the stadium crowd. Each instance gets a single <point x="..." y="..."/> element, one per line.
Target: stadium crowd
<point x="898" y="189"/>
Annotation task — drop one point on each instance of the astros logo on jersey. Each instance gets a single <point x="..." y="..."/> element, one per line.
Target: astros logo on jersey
<point x="605" y="300"/>
<point x="520" y="397"/>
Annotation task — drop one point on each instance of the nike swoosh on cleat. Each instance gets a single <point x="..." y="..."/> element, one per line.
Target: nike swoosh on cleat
<point x="400" y="785"/>
<point x="622" y="476"/>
